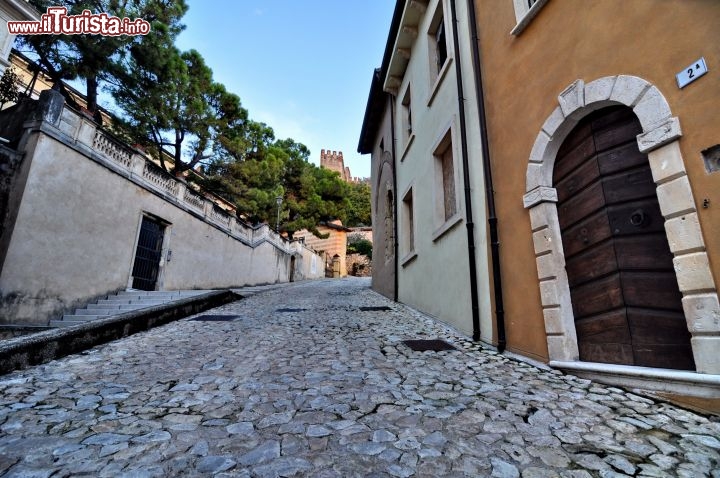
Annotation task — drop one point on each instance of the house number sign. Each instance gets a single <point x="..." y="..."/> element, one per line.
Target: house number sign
<point x="691" y="73"/>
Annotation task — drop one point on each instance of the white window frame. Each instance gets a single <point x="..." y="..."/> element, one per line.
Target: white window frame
<point x="524" y="13"/>
<point x="446" y="142"/>
<point x="438" y="72"/>
<point x="407" y="230"/>
<point x="407" y="114"/>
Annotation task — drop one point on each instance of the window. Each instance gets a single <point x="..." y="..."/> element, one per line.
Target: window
<point x="407" y="114"/>
<point x="406" y="136"/>
<point x="389" y="232"/>
<point x="525" y="11"/>
<point x="446" y="206"/>
<point x="447" y="170"/>
<point x="408" y="224"/>
<point x="440" y="46"/>
<point x="438" y="43"/>
<point x="439" y="52"/>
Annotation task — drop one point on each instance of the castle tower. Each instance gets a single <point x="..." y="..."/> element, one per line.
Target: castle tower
<point x="333" y="160"/>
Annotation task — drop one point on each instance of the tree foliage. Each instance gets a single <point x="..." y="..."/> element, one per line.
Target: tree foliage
<point x="356" y="243"/>
<point x="172" y="106"/>
<point x="97" y="59"/>
<point x="9" y="87"/>
<point x="359" y="208"/>
<point x="310" y="195"/>
<point x="252" y="183"/>
<point x="321" y="196"/>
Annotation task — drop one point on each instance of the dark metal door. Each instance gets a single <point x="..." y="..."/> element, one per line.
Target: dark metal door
<point x="148" y="254"/>
<point x="624" y="291"/>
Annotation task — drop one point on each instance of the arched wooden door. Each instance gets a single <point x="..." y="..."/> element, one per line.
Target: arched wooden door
<point x="624" y="292"/>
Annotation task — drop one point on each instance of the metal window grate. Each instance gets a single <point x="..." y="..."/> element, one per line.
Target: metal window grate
<point x="434" y="345"/>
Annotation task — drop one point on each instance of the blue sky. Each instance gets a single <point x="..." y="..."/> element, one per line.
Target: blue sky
<point x="301" y="66"/>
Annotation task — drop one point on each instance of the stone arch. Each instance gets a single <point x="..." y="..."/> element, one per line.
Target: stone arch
<point x="384" y="172"/>
<point x="659" y="140"/>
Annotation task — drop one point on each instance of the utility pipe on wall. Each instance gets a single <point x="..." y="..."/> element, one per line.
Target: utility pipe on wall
<point x="396" y="218"/>
<point x="487" y="172"/>
<point x="466" y="180"/>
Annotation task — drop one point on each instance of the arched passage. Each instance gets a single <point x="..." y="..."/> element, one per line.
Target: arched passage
<point x="659" y="139"/>
<point x="384" y="197"/>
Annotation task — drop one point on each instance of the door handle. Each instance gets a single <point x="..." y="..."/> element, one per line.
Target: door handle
<point x="637" y="218"/>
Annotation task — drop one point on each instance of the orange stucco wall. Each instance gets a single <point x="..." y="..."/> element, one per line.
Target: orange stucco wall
<point x="589" y="39"/>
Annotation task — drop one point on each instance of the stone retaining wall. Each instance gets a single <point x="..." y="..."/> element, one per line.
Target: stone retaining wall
<point x="78" y="213"/>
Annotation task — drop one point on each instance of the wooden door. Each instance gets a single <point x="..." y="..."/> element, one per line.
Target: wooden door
<point x="624" y="292"/>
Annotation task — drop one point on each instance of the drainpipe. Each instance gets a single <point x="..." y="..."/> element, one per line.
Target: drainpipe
<point x="487" y="170"/>
<point x="395" y="196"/>
<point x="466" y="181"/>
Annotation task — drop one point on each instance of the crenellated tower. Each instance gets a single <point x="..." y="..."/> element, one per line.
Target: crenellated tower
<point x="333" y="160"/>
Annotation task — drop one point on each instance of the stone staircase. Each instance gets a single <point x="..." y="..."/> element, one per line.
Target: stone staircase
<point x="123" y="302"/>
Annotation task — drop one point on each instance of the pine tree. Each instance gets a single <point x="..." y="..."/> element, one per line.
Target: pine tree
<point x="95" y="59"/>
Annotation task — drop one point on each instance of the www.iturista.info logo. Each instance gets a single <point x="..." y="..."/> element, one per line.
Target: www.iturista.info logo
<point x="57" y="22"/>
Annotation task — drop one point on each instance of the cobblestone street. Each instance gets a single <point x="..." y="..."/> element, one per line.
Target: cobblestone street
<point x="304" y="383"/>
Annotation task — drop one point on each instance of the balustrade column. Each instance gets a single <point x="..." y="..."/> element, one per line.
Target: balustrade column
<point x="86" y="133"/>
<point x="181" y="188"/>
<point x="137" y="165"/>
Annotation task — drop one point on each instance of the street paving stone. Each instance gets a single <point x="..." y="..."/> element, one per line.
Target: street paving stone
<point x="328" y="390"/>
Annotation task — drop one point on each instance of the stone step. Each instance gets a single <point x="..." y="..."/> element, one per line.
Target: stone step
<point x="142" y="292"/>
<point x="135" y="298"/>
<point x="118" y="307"/>
<point x="125" y="307"/>
<point x="149" y="302"/>
<point x="81" y="318"/>
<point x="108" y="306"/>
<point x="65" y="323"/>
<point x="94" y="311"/>
<point x="170" y="293"/>
<point x="113" y="302"/>
<point x="122" y="302"/>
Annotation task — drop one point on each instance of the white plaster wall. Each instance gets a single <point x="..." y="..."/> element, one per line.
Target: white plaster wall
<point x="309" y="266"/>
<point x="477" y="178"/>
<point x="437" y="280"/>
<point x="75" y="237"/>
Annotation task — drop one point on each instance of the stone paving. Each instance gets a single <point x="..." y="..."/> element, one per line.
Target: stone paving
<point x="330" y="391"/>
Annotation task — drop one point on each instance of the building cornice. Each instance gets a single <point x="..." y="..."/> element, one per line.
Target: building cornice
<point x="26" y="11"/>
<point x="405" y="35"/>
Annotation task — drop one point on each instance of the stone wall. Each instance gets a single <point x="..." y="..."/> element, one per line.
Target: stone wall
<point x="10" y="162"/>
<point x="333" y="160"/>
<point x="358" y="265"/>
<point x="334" y="244"/>
<point x="364" y="232"/>
<point x="76" y="228"/>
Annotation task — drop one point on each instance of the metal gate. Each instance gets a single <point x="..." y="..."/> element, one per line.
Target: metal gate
<point x="147" y="256"/>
